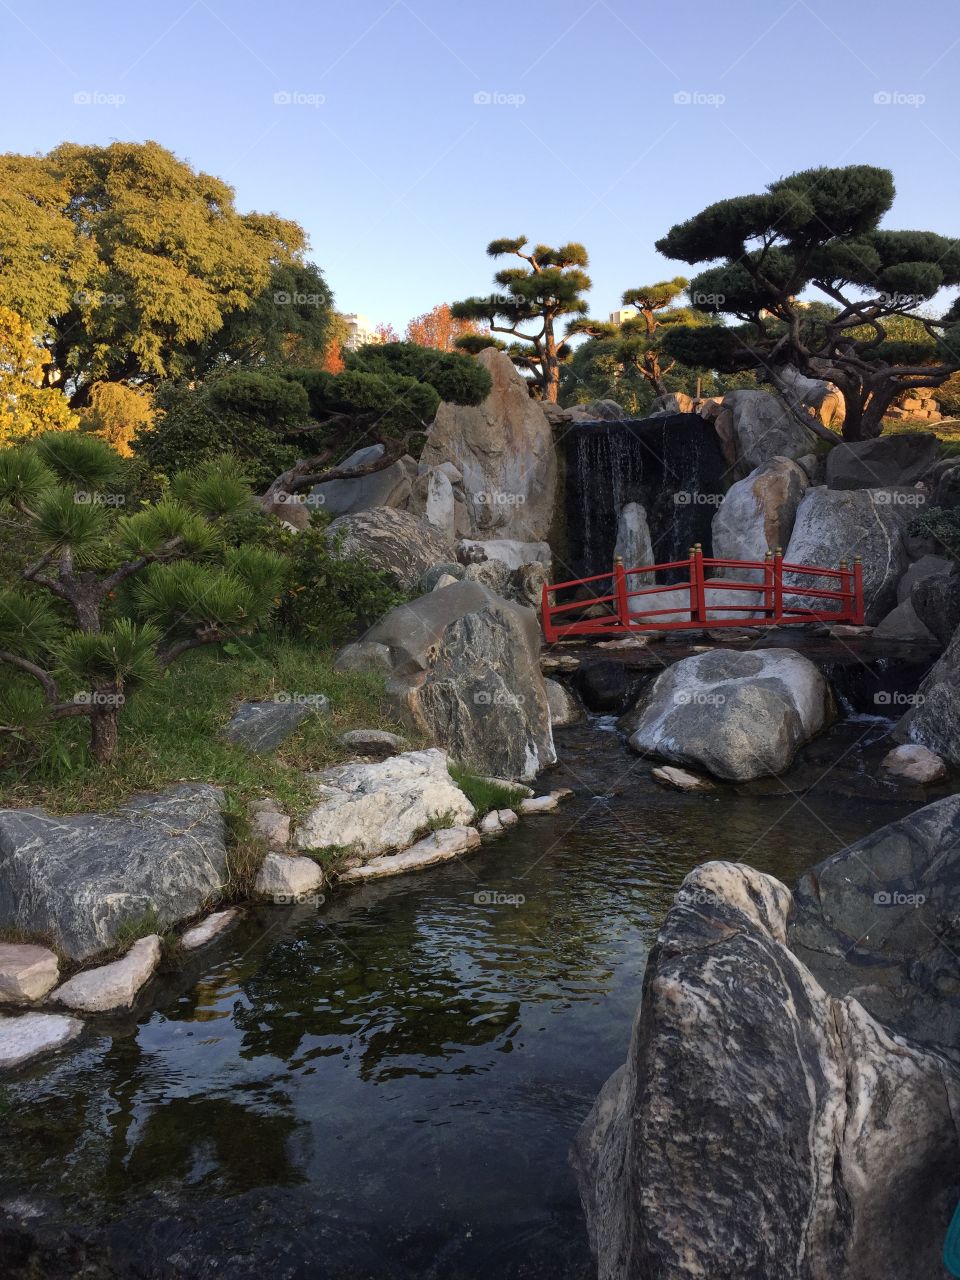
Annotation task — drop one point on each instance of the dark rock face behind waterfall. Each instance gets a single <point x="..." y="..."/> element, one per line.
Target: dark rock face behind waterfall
<point x="672" y="465"/>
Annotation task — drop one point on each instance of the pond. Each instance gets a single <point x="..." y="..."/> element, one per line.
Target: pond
<point x="388" y="1085"/>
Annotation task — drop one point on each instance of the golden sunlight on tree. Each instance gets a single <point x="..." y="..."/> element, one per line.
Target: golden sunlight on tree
<point x="117" y="413"/>
<point x="27" y="407"/>
<point x="440" y="329"/>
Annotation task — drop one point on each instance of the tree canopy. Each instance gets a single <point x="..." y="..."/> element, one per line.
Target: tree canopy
<point x="534" y="300"/>
<point x="440" y="329"/>
<point x="130" y="265"/>
<point x="820" y="229"/>
<point x="27" y="406"/>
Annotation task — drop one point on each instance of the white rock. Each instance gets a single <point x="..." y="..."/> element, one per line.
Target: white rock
<point x="914" y="763"/>
<point x="681" y="780"/>
<point x="372" y="739"/>
<point x="509" y="551"/>
<point x="28" y="1035"/>
<point x="508" y="817"/>
<point x="26" y="972"/>
<point x="208" y="929"/>
<point x="521" y="787"/>
<point x="564" y="709"/>
<point x="288" y="879"/>
<point x="445" y="580"/>
<point x="491" y="825"/>
<point x="272" y="827"/>
<point x="381" y="806"/>
<point x="439" y="846"/>
<point x="112" y="986"/>
<point x="539" y="804"/>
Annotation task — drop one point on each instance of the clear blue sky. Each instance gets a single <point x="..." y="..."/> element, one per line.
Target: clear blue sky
<point x="401" y="178"/>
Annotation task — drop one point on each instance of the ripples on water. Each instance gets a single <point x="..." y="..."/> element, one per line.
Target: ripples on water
<point x="389" y="1087"/>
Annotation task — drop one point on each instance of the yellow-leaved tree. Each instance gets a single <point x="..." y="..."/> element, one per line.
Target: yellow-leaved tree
<point x="27" y="407"/>
<point x="116" y="413"/>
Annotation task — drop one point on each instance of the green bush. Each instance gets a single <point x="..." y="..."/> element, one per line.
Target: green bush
<point x="942" y="524"/>
<point x="260" y="397"/>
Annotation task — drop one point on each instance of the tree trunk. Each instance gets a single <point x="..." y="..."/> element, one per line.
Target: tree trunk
<point x="103" y="734"/>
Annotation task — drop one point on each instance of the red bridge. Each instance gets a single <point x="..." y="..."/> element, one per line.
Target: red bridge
<point x="703" y="602"/>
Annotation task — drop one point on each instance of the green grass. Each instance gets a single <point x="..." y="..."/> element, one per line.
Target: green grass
<point x="483" y="794"/>
<point x="169" y="733"/>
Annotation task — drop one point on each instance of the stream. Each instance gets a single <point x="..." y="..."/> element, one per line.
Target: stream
<point x="388" y="1085"/>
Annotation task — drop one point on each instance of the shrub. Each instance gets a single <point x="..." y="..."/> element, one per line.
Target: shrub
<point x="943" y="525"/>
<point x="485" y="794"/>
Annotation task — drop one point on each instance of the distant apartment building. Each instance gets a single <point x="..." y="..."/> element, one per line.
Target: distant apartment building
<point x="359" y="331"/>
<point x="625" y="313"/>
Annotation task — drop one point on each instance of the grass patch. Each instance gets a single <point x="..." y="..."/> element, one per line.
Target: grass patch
<point x="485" y="794"/>
<point x="331" y="857"/>
<point x="170" y="733"/>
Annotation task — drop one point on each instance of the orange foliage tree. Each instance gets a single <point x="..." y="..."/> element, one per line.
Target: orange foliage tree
<point x="440" y="329"/>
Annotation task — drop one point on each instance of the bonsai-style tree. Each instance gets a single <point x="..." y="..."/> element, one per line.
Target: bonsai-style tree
<point x="536" y="298"/>
<point x="819" y="229"/>
<point x="387" y="394"/>
<point x="182" y="584"/>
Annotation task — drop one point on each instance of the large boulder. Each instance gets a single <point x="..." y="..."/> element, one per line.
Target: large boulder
<point x="739" y="715"/>
<point x="634" y="545"/>
<point x="394" y="541"/>
<point x="433" y="499"/>
<point x="823" y="398"/>
<point x="81" y="880"/>
<point x="466" y="672"/>
<point x="936" y="602"/>
<point x="902" y="625"/>
<point x="761" y="1127"/>
<point x="389" y="487"/>
<point x="835" y="525"/>
<point x="376" y="807"/>
<point x="504" y="450"/>
<point x="755" y="426"/>
<point x="509" y="551"/>
<point x="927" y="566"/>
<point x="880" y="922"/>
<point x="934" y="717"/>
<point x="887" y="462"/>
<point x="757" y="515"/>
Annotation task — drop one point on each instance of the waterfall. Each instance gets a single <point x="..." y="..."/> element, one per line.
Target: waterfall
<point x="672" y="465"/>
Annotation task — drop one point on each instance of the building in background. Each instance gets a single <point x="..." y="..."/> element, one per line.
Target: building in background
<point x="359" y="331"/>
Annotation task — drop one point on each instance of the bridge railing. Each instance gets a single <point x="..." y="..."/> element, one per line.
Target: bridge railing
<point x="703" y="602"/>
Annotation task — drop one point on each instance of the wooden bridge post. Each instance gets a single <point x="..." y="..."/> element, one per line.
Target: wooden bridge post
<point x="768" y="586"/>
<point x="620" y="590"/>
<point x="778" y="585"/>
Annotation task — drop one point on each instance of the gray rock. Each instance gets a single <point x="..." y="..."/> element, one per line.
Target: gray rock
<point x="112" y="986"/>
<point x="26" y="972"/>
<point x="372" y="741"/>
<point x="926" y="567"/>
<point x="757" y="515"/>
<point x="509" y="551"/>
<point x="395" y="542"/>
<point x="438" y="846"/>
<point x="504" y="451"/>
<point x="378" y="807"/>
<point x="936" y="602"/>
<point x="263" y="726"/>
<point x="914" y="763"/>
<point x="681" y="779"/>
<point x="880" y="921"/>
<point x="934" y="718"/>
<point x="446" y="569"/>
<point x="288" y="880"/>
<point x="26" y="1036"/>
<point x="81" y="879"/>
<point x="387" y="488"/>
<point x="564" y="708"/>
<point x="756" y="426"/>
<point x="271" y="826"/>
<point x="738" y="715"/>
<point x="364" y="655"/>
<point x="887" y="462"/>
<point x="451" y="472"/>
<point x="208" y="930"/>
<point x="761" y="1127"/>
<point x="836" y="525"/>
<point x="902" y="623"/>
<point x="433" y="500"/>
<point x="824" y="398"/>
<point x="634" y="545"/>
